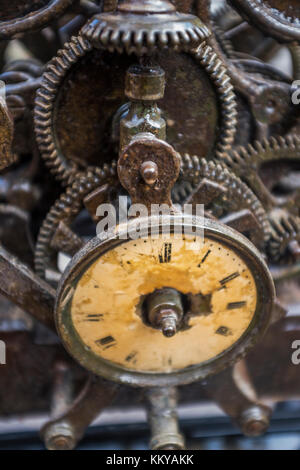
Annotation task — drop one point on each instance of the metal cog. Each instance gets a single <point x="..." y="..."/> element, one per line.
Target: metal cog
<point x="225" y="43"/>
<point x="66" y="208"/>
<point x="55" y="73"/>
<point x="44" y="103"/>
<point x="237" y="197"/>
<point x="283" y="212"/>
<point x="274" y="17"/>
<point x="217" y="70"/>
<point x="143" y="28"/>
<point x="285" y="232"/>
<point x="246" y="161"/>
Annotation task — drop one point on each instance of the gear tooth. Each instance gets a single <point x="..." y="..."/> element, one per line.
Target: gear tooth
<point x="193" y="37"/>
<point x="271" y="143"/>
<point x="260" y="148"/>
<point x="115" y="37"/>
<point x="104" y="36"/>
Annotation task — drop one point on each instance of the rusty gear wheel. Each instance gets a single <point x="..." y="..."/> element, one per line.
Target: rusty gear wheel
<point x="236" y="197"/>
<point x="54" y="143"/>
<point x="65" y="210"/>
<point x="279" y="18"/>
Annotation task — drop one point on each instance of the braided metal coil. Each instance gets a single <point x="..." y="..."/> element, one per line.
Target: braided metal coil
<point x="66" y="208"/>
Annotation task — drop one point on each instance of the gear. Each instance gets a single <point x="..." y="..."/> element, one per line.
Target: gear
<point x="247" y="161"/>
<point x="224" y="42"/>
<point x="143" y="27"/>
<point x="51" y="134"/>
<point x="237" y="197"/>
<point x="283" y="210"/>
<point x="283" y="243"/>
<point x="279" y="18"/>
<point x="65" y="209"/>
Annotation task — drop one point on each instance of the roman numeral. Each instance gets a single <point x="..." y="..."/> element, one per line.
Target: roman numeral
<point x="166" y="253"/>
<point x="93" y="317"/>
<point x="106" y="342"/>
<point x="229" y="278"/>
<point x="131" y="357"/>
<point x="233" y="305"/>
<point x="204" y="258"/>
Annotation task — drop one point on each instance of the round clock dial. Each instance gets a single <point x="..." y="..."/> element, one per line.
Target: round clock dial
<point x="105" y="306"/>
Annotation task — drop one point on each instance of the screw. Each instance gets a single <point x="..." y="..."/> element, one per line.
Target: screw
<point x="167" y="320"/>
<point x="254" y="421"/>
<point x="60" y="443"/>
<point x="149" y="172"/>
<point x="59" y="436"/>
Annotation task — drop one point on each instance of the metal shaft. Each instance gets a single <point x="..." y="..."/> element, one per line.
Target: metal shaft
<point x="162" y="418"/>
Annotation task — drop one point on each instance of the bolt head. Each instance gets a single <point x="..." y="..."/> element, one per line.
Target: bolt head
<point x="254" y="421"/>
<point x="149" y="172"/>
<point x="59" y="436"/>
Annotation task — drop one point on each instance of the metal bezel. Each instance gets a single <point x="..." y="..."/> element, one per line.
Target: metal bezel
<point x="97" y="247"/>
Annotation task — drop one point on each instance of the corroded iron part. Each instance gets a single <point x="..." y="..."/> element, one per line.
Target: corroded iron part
<point x="162" y="416"/>
<point x="143" y="27"/>
<point x="234" y="392"/>
<point x="31" y="15"/>
<point x="143" y="86"/>
<point x="34" y="295"/>
<point x="7" y="157"/>
<point x="147" y="148"/>
<point x="63" y="432"/>
<point x="201" y="97"/>
<point x="145" y="83"/>
<point x="45" y="96"/>
<point x="279" y="18"/>
<point x="237" y="197"/>
<point x="66" y="208"/>
<point x="51" y="133"/>
<point x="283" y="211"/>
<point x="165" y="311"/>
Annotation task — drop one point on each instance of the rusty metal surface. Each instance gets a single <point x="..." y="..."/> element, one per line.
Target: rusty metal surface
<point x="279" y="18"/>
<point x="224" y="133"/>
<point x="20" y="17"/>
<point x="23" y="287"/>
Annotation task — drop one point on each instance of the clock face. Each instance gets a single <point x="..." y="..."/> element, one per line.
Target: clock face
<point x="218" y="290"/>
<point x="225" y="290"/>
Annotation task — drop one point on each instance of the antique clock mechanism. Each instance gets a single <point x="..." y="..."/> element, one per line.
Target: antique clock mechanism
<point x="143" y="104"/>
